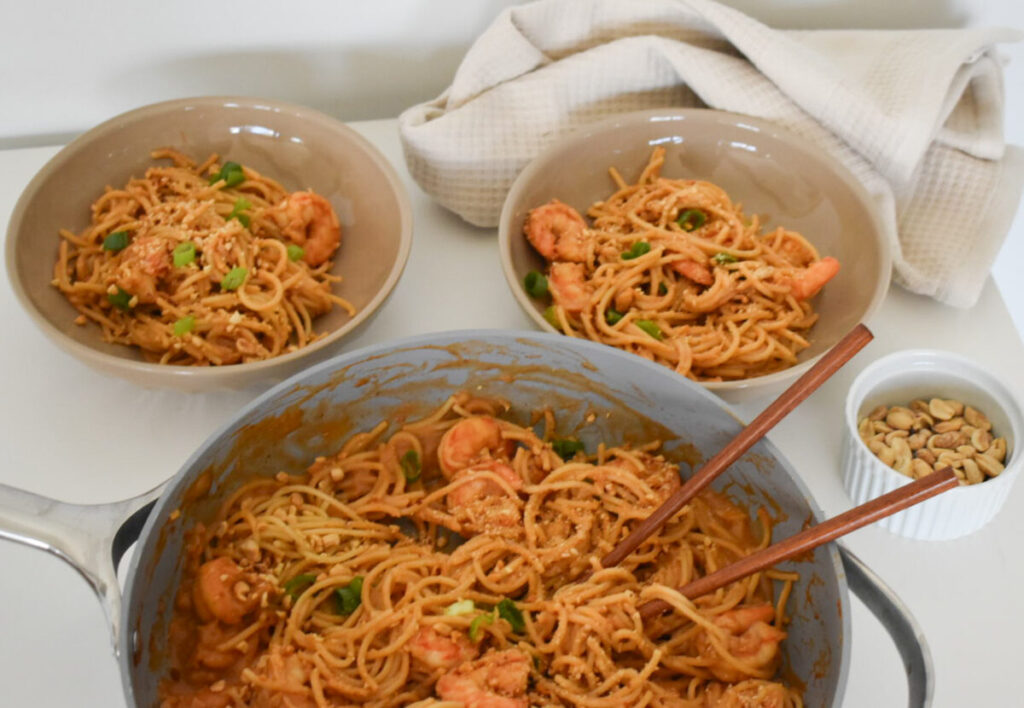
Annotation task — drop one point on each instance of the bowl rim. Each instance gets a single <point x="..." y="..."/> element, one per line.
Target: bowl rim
<point x="675" y="115"/>
<point x="266" y="367"/>
<point x="872" y="377"/>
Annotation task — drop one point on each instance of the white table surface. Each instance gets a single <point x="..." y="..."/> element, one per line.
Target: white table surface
<point x="71" y="433"/>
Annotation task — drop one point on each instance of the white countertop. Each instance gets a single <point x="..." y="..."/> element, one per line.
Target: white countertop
<point x="79" y="436"/>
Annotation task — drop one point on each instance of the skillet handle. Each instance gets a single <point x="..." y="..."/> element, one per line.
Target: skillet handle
<point x="92" y="538"/>
<point x="898" y="622"/>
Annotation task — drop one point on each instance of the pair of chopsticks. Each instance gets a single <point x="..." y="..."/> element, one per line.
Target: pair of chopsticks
<point x="808" y="539"/>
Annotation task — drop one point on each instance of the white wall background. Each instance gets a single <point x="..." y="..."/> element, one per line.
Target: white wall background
<point x="65" y="66"/>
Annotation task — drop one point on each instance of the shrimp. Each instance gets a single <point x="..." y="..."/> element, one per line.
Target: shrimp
<point x="440" y="651"/>
<point x="496" y="680"/>
<point x="697" y="272"/>
<point x="309" y="220"/>
<point x="753" y="694"/>
<point x="221" y="592"/>
<point x="567" y="282"/>
<point x="471" y="439"/>
<point x="143" y="263"/>
<point x="810" y="281"/>
<point x="481" y="505"/>
<point x="749" y="638"/>
<point x="558" y="232"/>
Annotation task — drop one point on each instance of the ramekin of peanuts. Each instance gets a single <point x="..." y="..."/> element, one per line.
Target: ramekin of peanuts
<point x="926" y="436"/>
<point x="914" y="412"/>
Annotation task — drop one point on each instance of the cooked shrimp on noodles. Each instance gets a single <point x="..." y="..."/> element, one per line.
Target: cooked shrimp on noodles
<point x="438" y="562"/>
<point x="672" y="270"/>
<point x="203" y="264"/>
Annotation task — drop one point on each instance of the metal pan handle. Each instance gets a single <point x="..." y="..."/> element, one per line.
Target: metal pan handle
<point x="91" y="538"/>
<point x="898" y="622"/>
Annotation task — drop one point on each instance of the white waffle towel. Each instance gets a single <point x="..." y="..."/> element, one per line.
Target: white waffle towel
<point x="915" y="115"/>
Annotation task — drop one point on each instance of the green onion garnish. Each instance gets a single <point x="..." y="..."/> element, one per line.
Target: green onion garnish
<point x="462" y="607"/>
<point x="536" y="284"/>
<point x="120" y="299"/>
<point x="241" y="204"/>
<point x="566" y="448"/>
<point x="234" y="279"/>
<point x="552" y="317"/>
<point x="474" y="626"/>
<point x="184" y="253"/>
<point x="722" y="258"/>
<point x="650" y="327"/>
<point x="185" y="325"/>
<point x="295" y="252"/>
<point x="611" y="315"/>
<point x="662" y="289"/>
<point x="297" y="585"/>
<point x="231" y="173"/>
<point x="115" y="241"/>
<point x="348" y="598"/>
<point x="508" y="611"/>
<point x="410" y="463"/>
<point x="638" y="249"/>
<point x="692" y="219"/>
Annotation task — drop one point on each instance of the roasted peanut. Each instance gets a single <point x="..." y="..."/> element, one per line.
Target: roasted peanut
<point x="941" y="409"/>
<point x="900" y="418"/>
<point x="977" y="418"/>
<point x="926" y="455"/>
<point x="989" y="465"/>
<point x="948" y="426"/>
<point x="878" y="413"/>
<point x="981" y="439"/>
<point x="973" y="472"/>
<point x="919" y="468"/>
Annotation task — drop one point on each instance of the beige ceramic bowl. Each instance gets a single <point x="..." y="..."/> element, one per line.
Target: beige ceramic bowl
<point x="770" y="172"/>
<point x="297" y="146"/>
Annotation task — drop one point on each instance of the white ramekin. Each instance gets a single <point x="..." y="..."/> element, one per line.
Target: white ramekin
<point x="899" y="378"/>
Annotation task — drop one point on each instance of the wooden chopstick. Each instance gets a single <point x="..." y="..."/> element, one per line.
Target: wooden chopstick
<point x="779" y="408"/>
<point x="810" y="538"/>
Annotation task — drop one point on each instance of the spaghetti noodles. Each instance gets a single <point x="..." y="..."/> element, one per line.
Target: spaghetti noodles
<point x="346" y="586"/>
<point x="203" y="264"/>
<point x="672" y="270"/>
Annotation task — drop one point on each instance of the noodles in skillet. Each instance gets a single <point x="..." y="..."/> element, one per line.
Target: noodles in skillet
<point x="346" y="586"/>
<point x="670" y="269"/>
<point x="203" y="264"/>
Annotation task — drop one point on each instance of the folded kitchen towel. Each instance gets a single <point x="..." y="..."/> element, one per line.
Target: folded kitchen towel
<point x="915" y="115"/>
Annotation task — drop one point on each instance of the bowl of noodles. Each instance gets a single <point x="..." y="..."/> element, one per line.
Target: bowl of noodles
<point x="715" y="244"/>
<point x="210" y="242"/>
<point x="421" y="523"/>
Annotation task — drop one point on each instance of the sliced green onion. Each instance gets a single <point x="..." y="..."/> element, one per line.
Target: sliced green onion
<point x="411" y="468"/>
<point x="115" y="241"/>
<point x="184" y="253"/>
<point x="552" y="317"/>
<point x="692" y="219"/>
<point x="241" y="204"/>
<point x="611" y="315"/>
<point x="508" y="611"/>
<point x="478" y="621"/>
<point x="536" y="284"/>
<point x="234" y="279"/>
<point x="650" y="327"/>
<point x="566" y="448"/>
<point x="297" y="585"/>
<point x="231" y="173"/>
<point x="120" y="299"/>
<point x="462" y="607"/>
<point x="185" y="325"/>
<point x="638" y="249"/>
<point x="722" y="258"/>
<point x="662" y="289"/>
<point x="295" y="252"/>
<point x="348" y="598"/>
